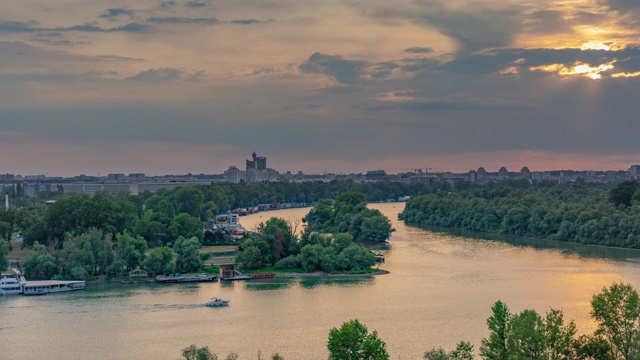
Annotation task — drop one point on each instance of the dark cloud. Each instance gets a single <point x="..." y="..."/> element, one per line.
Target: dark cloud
<point x="495" y="61"/>
<point x="548" y="22"/>
<point x="345" y="71"/>
<point x="197" y="4"/>
<point x="183" y="20"/>
<point x="168" y="4"/>
<point x="246" y="22"/>
<point x="112" y="14"/>
<point x="21" y="27"/>
<point x="624" y="5"/>
<point x="418" y="50"/>
<point x="158" y="75"/>
<point x="477" y="29"/>
<point x="17" y="26"/>
<point x="49" y="41"/>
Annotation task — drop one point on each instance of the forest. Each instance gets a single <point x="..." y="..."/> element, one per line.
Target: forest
<point x="587" y="213"/>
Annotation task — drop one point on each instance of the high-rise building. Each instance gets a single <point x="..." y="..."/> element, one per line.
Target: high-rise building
<point x="257" y="162"/>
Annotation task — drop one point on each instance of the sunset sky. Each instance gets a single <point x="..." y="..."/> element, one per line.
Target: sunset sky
<point x="168" y="87"/>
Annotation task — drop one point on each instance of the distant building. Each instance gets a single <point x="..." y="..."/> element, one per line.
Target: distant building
<point x="257" y="162"/>
<point x="7" y="177"/>
<point x="503" y="173"/>
<point x="482" y="173"/>
<point x="634" y="172"/>
<point x="234" y="175"/>
<point x="473" y="175"/>
<point x="115" y="177"/>
<point x="525" y="173"/>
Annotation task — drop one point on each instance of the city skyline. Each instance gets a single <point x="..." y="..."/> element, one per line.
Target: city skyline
<point x="176" y="87"/>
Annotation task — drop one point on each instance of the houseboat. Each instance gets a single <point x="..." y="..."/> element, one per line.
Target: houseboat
<point x="44" y="287"/>
<point x="10" y="285"/>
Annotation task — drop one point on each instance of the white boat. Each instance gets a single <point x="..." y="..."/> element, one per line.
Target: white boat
<point x="10" y="285"/>
<point x="215" y="302"/>
<point x="51" y="286"/>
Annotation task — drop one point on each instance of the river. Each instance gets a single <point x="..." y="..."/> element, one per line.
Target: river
<point x="439" y="291"/>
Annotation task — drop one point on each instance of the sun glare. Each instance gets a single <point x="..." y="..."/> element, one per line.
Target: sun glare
<point x="595" y="45"/>
<point x="580" y="69"/>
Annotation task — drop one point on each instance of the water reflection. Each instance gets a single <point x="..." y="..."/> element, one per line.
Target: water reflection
<point x="269" y="285"/>
<point x="590" y="251"/>
<point x="310" y="283"/>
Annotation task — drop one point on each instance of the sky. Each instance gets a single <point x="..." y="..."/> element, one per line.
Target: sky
<point x="172" y="87"/>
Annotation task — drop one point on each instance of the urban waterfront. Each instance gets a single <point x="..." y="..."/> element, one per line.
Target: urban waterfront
<point x="439" y="291"/>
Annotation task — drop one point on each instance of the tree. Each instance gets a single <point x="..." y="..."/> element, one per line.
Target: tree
<point x="131" y="249"/>
<point x="186" y="225"/>
<point x="188" y="254"/>
<point x="4" y="251"/>
<point x="40" y="264"/>
<point x="195" y="353"/>
<point x="463" y="351"/>
<point x="354" y="342"/>
<point x="496" y="346"/>
<point x="159" y="261"/>
<point x="622" y="192"/>
<point x="617" y="312"/>
<point x="190" y="200"/>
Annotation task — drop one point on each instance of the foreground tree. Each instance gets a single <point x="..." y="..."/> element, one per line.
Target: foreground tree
<point x="617" y="311"/>
<point x="195" y="353"/>
<point x="354" y="342"/>
<point x="495" y="347"/>
<point x="463" y="351"/>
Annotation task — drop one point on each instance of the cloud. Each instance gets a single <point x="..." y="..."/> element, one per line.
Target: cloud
<point x="168" y="4"/>
<point x="245" y="22"/>
<point x="112" y="14"/>
<point x="22" y="27"/>
<point x="344" y="71"/>
<point x="158" y="75"/>
<point x="624" y="5"/>
<point x="183" y="20"/>
<point x="197" y="4"/>
<point x="547" y="22"/>
<point x="418" y="50"/>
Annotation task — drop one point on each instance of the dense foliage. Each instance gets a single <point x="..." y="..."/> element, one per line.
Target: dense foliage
<point x="276" y="244"/>
<point x="581" y="212"/>
<point x="353" y="341"/>
<point x="349" y="214"/>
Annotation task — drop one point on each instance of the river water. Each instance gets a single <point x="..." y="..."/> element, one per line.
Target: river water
<point x="439" y="291"/>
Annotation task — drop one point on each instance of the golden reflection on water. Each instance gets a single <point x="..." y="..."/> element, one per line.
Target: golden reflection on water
<point x="440" y="291"/>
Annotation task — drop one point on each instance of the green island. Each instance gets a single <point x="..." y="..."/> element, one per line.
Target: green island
<point x="330" y="243"/>
<point x="526" y="335"/>
<point x="106" y="236"/>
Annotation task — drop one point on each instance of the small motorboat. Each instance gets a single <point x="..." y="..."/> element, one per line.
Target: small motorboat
<point x="215" y="302"/>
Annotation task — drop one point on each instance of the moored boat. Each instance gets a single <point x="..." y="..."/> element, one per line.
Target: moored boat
<point x="44" y="287"/>
<point x="10" y="285"/>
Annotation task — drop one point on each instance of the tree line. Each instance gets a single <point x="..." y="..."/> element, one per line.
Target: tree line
<point x="579" y="212"/>
<point x="526" y="335"/>
<point x="82" y="236"/>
